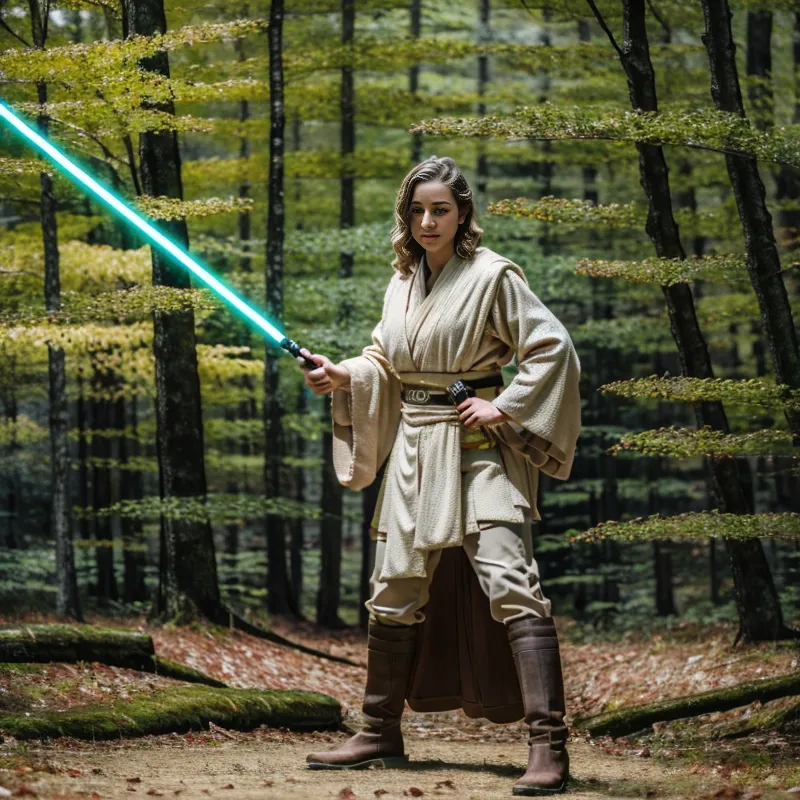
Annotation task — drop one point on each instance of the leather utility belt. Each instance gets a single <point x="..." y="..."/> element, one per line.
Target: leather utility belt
<point x="454" y="394"/>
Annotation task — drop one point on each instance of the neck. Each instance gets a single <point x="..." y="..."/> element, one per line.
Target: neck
<point x="436" y="261"/>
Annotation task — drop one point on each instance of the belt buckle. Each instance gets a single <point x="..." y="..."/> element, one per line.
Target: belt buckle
<point x="418" y="396"/>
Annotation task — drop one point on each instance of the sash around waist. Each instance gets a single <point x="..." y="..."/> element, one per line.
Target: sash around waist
<point x="441" y="380"/>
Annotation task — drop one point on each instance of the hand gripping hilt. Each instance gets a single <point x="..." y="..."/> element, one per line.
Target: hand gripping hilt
<point x="294" y="349"/>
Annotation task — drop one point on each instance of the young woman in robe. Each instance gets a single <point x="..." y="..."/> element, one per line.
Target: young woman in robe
<point x="460" y="485"/>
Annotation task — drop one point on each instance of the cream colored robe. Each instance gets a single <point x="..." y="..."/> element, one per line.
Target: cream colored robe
<point x="479" y="314"/>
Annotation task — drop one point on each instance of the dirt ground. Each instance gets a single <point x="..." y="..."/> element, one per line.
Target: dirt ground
<point x="274" y="769"/>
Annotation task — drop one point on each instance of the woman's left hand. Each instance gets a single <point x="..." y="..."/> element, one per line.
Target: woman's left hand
<point x="476" y="412"/>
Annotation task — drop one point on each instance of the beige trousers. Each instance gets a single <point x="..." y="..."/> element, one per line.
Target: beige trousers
<point x="502" y="557"/>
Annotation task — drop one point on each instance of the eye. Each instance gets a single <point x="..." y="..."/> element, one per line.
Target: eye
<point x="442" y="210"/>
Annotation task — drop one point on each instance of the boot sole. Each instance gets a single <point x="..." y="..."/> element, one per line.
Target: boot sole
<point x="535" y="791"/>
<point x="387" y="762"/>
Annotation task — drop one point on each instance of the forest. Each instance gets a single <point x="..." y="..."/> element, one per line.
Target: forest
<point x="179" y="565"/>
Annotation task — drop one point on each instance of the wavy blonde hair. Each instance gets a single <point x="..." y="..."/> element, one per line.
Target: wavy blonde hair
<point x="468" y="236"/>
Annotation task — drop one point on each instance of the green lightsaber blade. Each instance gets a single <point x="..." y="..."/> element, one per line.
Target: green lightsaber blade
<point x="122" y="209"/>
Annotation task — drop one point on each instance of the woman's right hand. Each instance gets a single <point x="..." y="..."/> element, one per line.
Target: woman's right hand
<point x="327" y="378"/>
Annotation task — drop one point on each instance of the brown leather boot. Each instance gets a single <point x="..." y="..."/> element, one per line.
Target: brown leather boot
<point x="390" y="654"/>
<point x="534" y="645"/>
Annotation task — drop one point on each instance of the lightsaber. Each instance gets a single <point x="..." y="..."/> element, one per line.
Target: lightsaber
<point x="122" y="209"/>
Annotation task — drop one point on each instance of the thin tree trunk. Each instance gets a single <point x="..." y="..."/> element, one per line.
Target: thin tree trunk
<point x="330" y="573"/>
<point x="413" y="75"/>
<point x="188" y="584"/>
<point x="763" y="261"/>
<point x="86" y="529"/>
<point x="297" y="525"/>
<point x="759" y="65"/>
<point x="131" y="488"/>
<point x="278" y="596"/>
<point x="67" y="601"/>
<point x="12" y="537"/>
<point x="757" y="601"/>
<point x="101" y="406"/>
<point x="484" y="37"/>
<point x="329" y="592"/>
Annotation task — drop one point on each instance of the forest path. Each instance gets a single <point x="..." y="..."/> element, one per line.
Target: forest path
<point x="275" y="770"/>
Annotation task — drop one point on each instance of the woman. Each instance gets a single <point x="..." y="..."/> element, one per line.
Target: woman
<point x="459" y="479"/>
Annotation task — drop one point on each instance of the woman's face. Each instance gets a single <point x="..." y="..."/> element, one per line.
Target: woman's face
<point x="434" y="217"/>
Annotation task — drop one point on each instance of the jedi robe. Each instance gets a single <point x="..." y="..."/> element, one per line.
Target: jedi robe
<point x="479" y="314"/>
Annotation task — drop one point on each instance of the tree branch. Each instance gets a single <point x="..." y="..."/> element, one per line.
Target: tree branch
<point x="5" y="26"/>
<point x="599" y="17"/>
<point x="661" y="21"/>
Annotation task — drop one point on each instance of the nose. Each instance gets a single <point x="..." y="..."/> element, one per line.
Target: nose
<point x="427" y="220"/>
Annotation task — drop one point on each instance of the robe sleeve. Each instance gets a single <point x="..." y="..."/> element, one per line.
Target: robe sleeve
<point x="543" y="400"/>
<point x="365" y="418"/>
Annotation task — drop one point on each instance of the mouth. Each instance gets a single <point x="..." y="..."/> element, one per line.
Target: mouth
<point x="430" y="236"/>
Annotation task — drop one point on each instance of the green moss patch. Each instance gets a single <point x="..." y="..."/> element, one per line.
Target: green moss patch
<point x="181" y="710"/>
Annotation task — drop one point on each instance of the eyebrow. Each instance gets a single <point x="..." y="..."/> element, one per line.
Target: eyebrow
<point x="436" y="203"/>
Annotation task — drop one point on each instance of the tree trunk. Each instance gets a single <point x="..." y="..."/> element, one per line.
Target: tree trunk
<point x="12" y="536"/>
<point x="297" y="525"/>
<point x="759" y="65"/>
<point x="274" y="480"/>
<point x="330" y="573"/>
<point x="757" y="601"/>
<point x="84" y="481"/>
<point x="788" y="183"/>
<point x="413" y="76"/>
<point x="131" y="488"/>
<point x="329" y="592"/>
<point x="67" y="601"/>
<point x="763" y="261"/>
<point x="546" y="168"/>
<point x="188" y="573"/>
<point x="102" y="421"/>
<point x="484" y="37"/>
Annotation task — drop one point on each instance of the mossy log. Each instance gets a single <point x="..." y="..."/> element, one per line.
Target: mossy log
<point x="179" y="710"/>
<point x="115" y="647"/>
<point x="765" y="719"/>
<point x="629" y="720"/>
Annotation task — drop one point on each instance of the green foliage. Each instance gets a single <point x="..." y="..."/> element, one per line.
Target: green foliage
<point x="675" y="442"/>
<point x="724" y="268"/>
<point x="695" y="526"/>
<point x="706" y="129"/>
<point x="217" y="508"/>
<point x="752" y="391"/>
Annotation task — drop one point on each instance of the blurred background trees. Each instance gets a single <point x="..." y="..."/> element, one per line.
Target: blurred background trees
<point x="179" y="463"/>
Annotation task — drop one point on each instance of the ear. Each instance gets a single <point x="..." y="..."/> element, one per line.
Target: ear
<point x="461" y="219"/>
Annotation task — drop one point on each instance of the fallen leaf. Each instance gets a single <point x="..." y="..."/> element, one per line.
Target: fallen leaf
<point x="155" y="793"/>
<point x="137" y="779"/>
<point x="74" y="773"/>
<point x="381" y="792"/>
<point x="25" y="791"/>
<point x="414" y="792"/>
<point x="444" y="784"/>
<point x="228" y="786"/>
<point x="346" y="794"/>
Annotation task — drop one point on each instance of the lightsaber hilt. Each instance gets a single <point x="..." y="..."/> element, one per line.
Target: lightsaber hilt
<point x="287" y="344"/>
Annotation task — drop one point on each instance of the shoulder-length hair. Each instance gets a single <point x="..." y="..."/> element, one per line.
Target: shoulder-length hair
<point x="468" y="236"/>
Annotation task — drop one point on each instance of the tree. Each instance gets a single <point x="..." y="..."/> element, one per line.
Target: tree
<point x="188" y="577"/>
<point x="763" y="261"/>
<point x="278" y="594"/>
<point x="67" y="601"/>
